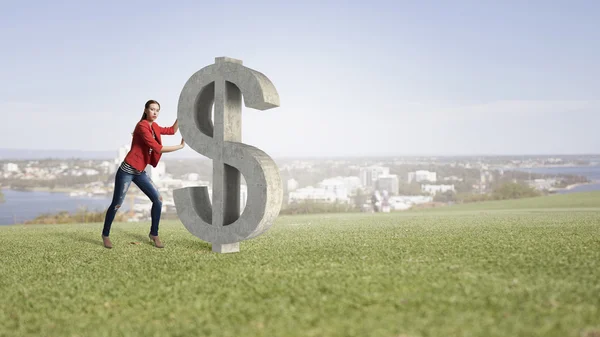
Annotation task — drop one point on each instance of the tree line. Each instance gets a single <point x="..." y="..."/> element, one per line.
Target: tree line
<point x="82" y="215"/>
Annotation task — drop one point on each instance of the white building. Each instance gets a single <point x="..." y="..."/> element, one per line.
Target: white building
<point x="353" y="183"/>
<point x="389" y="183"/>
<point x="434" y="189"/>
<point x="157" y="173"/>
<point x="292" y="184"/>
<point x="327" y="194"/>
<point x="348" y="185"/>
<point x="542" y="184"/>
<point x="369" y="175"/>
<point x="243" y="197"/>
<point x="121" y="154"/>
<point x="108" y="167"/>
<point x="310" y="193"/>
<point x="486" y="176"/>
<point x="192" y="176"/>
<point x="403" y="202"/>
<point x="11" y="167"/>
<point x="337" y="187"/>
<point x="422" y="175"/>
<point x="90" y="172"/>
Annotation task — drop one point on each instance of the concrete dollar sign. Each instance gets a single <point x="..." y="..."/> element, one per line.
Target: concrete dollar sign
<point x="224" y="84"/>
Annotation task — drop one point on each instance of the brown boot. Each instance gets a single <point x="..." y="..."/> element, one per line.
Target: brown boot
<point x="156" y="241"/>
<point x="107" y="242"/>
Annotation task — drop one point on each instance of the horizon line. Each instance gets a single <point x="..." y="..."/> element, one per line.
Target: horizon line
<point x="315" y="156"/>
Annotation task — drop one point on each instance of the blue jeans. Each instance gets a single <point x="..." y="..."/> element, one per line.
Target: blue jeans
<point x="122" y="182"/>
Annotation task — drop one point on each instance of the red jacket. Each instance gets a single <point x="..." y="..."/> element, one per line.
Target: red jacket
<point x="145" y="149"/>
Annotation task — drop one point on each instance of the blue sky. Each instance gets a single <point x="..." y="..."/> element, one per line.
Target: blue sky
<point x="357" y="78"/>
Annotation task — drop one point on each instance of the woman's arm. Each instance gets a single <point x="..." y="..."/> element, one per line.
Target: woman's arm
<point x="147" y="137"/>
<point x="172" y="148"/>
<point x="170" y="130"/>
<point x="145" y="133"/>
<point x="176" y="126"/>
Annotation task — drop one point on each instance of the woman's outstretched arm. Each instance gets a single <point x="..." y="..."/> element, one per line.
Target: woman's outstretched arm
<point x="172" y="148"/>
<point x="170" y="130"/>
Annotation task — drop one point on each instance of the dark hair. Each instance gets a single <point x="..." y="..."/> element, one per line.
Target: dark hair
<point x="146" y="106"/>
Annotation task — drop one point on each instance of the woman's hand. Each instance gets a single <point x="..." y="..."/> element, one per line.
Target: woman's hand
<point x="182" y="143"/>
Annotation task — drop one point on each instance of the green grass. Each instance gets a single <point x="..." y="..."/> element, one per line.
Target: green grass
<point x="521" y="271"/>
<point x="556" y="202"/>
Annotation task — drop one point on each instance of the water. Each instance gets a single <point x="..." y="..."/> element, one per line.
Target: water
<point x="590" y="172"/>
<point x="20" y="206"/>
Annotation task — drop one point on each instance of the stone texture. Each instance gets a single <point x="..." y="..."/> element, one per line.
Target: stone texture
<point x="225" y="84"/>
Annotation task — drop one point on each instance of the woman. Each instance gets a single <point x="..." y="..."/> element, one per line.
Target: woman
<point x="146" y="148"/>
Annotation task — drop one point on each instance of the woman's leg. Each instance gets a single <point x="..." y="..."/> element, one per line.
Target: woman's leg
<point x="146" y="186"/>
<point x="122" y="182"/>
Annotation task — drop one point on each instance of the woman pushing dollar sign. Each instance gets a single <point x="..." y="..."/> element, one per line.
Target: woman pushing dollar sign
<point x="146" y="148"/>
<point x="210" y="112"/>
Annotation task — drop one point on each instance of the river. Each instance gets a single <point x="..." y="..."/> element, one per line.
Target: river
<point x="21" y="206"/>
<point x="590" y="172"/>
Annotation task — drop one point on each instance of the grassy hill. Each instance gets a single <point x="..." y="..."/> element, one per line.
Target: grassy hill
<point x="459" y="271"/>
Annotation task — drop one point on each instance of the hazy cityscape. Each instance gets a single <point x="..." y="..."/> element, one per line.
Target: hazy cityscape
<point x="313" y="185"/>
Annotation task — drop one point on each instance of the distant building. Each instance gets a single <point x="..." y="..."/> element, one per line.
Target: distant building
<point x="107" y="167"/>
<point x="389" y="183"/>
<point x="157" y="173"/>
<point x="75" y="172"/>
<point x="243" y="197"/>
<point x="121" y="154"/>
<point x="403" y="202"/>
<point x="422" y="176"/>
<point x="434" y="189"/>
<point x="542" y="184"/>
<point x="337" y="187"/>
<point x="344" y="185"/>
<point x="328" y="194"/>
<point x="192" y="176"/>
<point x="369" y="175"/>
<point x="11" y="167"/>
<point x="486" y="176"/>
<point x="292" y="184"/>
<point x="90" y="172"/>
<point x="353" y="183"/>
<point x="243" y="194"/>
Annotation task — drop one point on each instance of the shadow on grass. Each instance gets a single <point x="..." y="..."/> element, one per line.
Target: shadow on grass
<point x="187" y="242"/>
<point x="137" y="237"/>
<point x="81" y="237"/>
<point x="194" y="243"/>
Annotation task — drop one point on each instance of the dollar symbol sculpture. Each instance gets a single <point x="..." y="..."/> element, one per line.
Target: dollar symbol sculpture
<point x="224" y="83"/>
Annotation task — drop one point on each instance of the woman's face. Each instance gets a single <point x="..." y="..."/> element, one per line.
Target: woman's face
<point x="152" y="112"/>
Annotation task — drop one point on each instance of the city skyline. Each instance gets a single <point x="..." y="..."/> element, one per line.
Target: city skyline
<point x="7" y="154"/>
